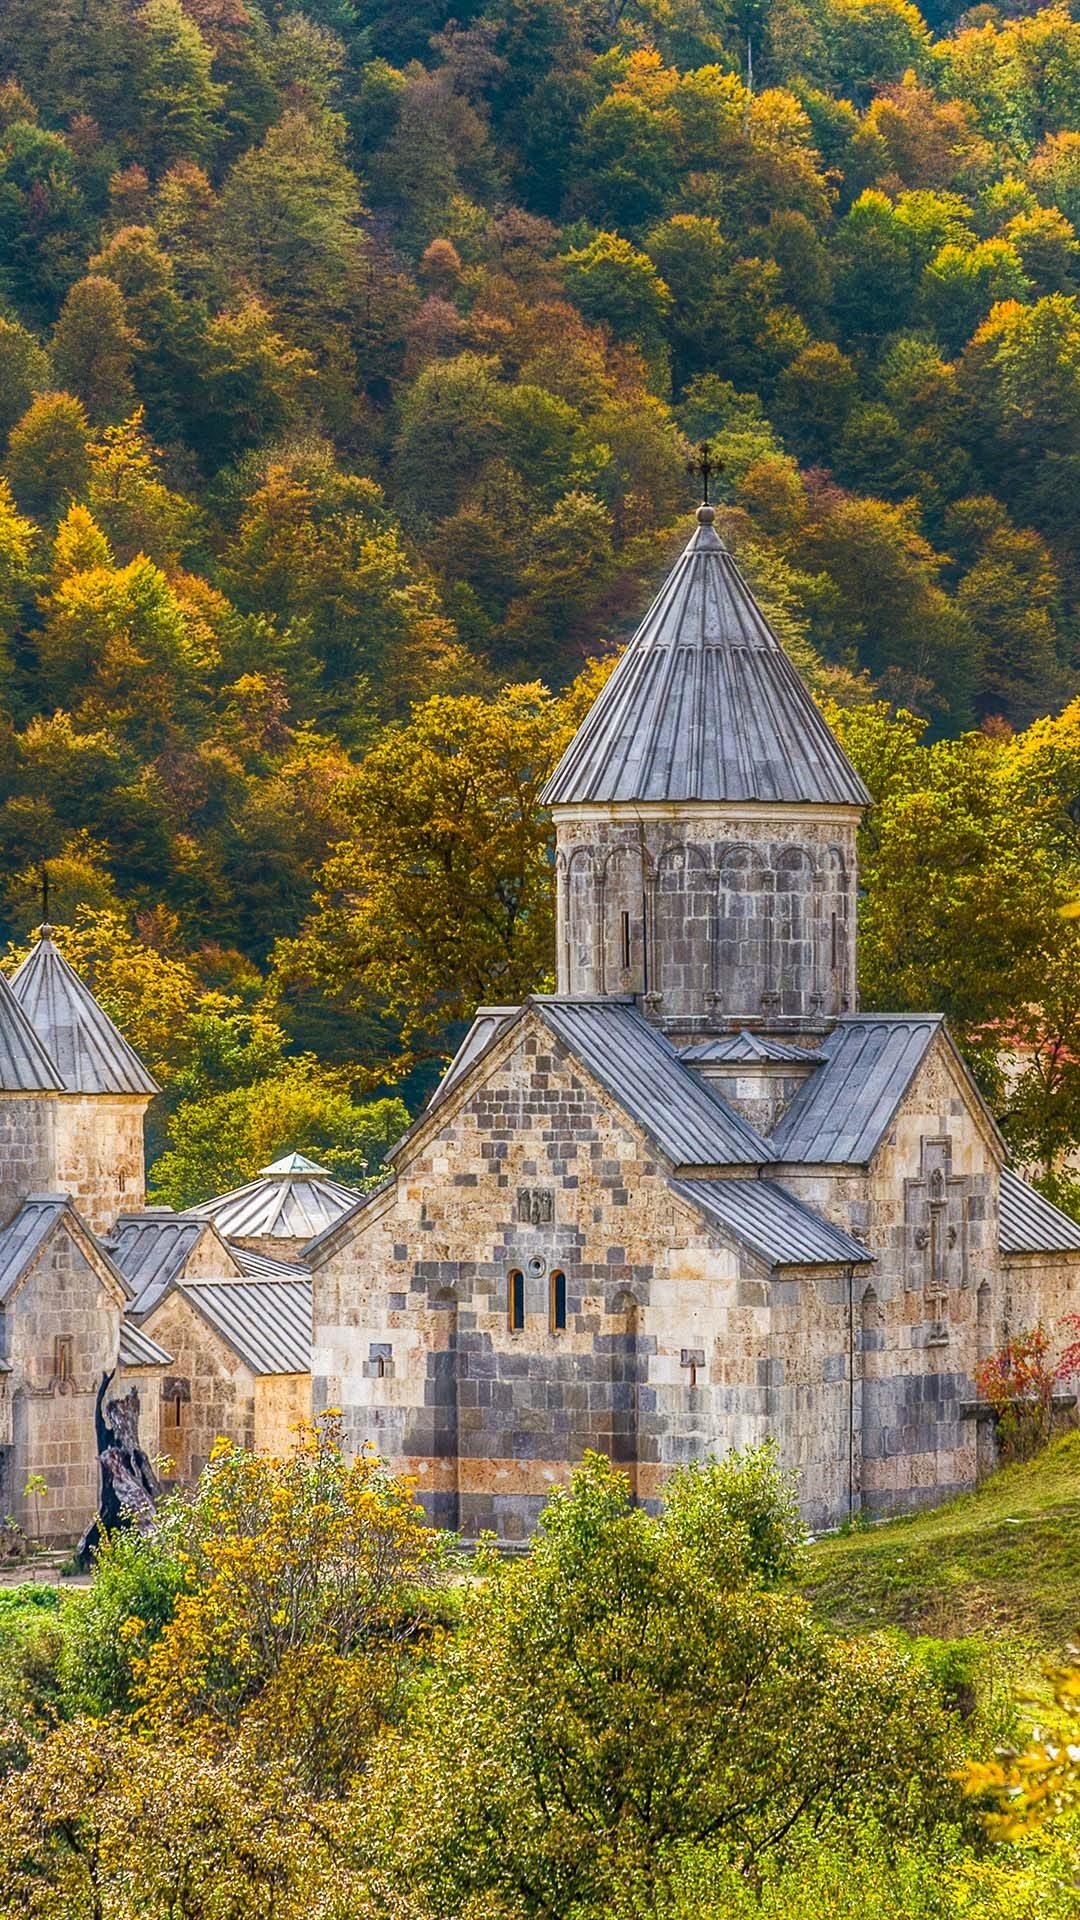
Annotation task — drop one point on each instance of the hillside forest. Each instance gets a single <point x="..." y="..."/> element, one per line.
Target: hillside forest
<point x="351" y="358"/>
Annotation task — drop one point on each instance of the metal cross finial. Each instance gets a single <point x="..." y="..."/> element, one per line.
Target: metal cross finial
<point x="704" y="466"/>
<point x="44" y="893"/>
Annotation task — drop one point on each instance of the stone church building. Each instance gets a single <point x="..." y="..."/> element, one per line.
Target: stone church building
<point x="695" y="1198"/>
<point x="208" y="1313"/>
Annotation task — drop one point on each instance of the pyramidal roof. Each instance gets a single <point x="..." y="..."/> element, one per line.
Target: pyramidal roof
<point x="293" y="1163"/>
<point x="90" y="1052"/>
<point x="25" y="1066"/>
<point x="705" y="705"/>
<point x="292" y="1199"/>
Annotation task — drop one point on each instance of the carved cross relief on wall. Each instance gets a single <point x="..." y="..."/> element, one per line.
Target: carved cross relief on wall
<point x="937" y="1250"/>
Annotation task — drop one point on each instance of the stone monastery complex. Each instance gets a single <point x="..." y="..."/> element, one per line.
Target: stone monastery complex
<point x="692" y="1200"/>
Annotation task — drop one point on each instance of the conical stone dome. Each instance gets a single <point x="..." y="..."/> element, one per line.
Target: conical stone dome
<point x="25" y="1066"/>
<point x="705" y="705"/>
<point x="89" y="1050"/>
<point x="705" y="821"/>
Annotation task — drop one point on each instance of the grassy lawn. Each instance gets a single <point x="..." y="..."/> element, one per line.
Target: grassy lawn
<point x="1002" y="1563"/>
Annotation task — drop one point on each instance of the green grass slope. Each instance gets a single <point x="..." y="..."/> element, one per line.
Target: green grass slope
<point x="1001" y="1562"/>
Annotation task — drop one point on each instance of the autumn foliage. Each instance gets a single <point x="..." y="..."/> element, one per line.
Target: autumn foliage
<point x="1020" y="1381"/>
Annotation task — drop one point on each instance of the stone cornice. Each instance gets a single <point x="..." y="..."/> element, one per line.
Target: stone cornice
<point x="625" y="813"/>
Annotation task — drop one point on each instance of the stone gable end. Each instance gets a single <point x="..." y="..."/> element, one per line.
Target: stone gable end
<point x="63" y="1332"/>
<point x="670" y="1339"/>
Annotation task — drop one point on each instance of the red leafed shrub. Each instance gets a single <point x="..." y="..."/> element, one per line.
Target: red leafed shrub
<point x="1020" y="1380"/>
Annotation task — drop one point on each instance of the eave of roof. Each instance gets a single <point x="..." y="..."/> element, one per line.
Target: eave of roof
<point x="688" y="1120"/>
<point x="291" y="1206"/>
<point x="138" y="1350"/>
<point x="1029" y="1223"/>
<point x="843" y="1110"/>
<point x="24" y="1237"/>
<point x="266" y="1323"/>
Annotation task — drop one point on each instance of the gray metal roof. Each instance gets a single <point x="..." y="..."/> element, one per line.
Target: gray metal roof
<point x="747" y="1046"/>
<point x="1029" y="1223"/>
<point x="261" y="1266"/>
<point x="24" y="1236"/>
<point x="690" y="1122"/>
<point x="267" y="1323"/>
<point x="25" y="1066"/>
<point x="152" y="1250"/>
<point x="91" y="1053"/>
<point x="705" y="705"/>
<point x="842" y="1112"/>
<point x="773" y="1224"/>
<point x="138" y="1350"/>
<point x="279" y="1206"/>
<point x="488" y="1023"/>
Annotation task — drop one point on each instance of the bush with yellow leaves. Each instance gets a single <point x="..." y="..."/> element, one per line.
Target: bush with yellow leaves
<point x="1022" y="1791"/>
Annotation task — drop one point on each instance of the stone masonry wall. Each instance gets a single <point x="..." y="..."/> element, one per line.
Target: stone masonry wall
<point x="210" y="1388"/>
<point x="100" y="1159"/>
<point x="27" y="1149"/>
<point x="927" y="1209"/>
<point x="710" y="917"/>
<point x="282" y="1403"/>
<point x="63" y="1330"/>
<point x="676" y="1344"/>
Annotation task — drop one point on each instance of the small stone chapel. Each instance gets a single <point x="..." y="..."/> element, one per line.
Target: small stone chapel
<point x="694" y="1199"/>
<point x="207" y="1313"/>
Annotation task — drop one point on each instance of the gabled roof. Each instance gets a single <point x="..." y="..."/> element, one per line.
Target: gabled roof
<point x="152" y="1249"/>
<point x="90" y="1052"/>
<point x="773" y="1224"/>
<point x="705" y="705"/>
<point x="747" y="1046"/>
<point x="689" y="1121"/>
<point x="1029" y="1223"/>
<point x="138" y="1350"/>
<point x="267" y="1323"/>
<point x="22" y="1239"/>
<point x="842" y="1112"/>
<point x="25" y="1066"/>
<point x="280" y="1204"/>
<point x="25" y="1236"/>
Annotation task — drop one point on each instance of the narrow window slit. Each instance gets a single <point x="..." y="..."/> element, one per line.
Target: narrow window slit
<point x="558" y="1302"/>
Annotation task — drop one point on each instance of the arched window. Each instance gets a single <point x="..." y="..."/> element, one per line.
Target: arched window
<point x="558" y="1301"/>
<point x="516" y="1301"/>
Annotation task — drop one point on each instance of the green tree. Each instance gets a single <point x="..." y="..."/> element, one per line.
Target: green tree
<point x="625" y="161"/>
<point x="633" y="1687"/>
<point x="962" y="283"/>
<point x="221" y="1140"/>
<point x="440" y="899"/>
<point x="177" y="101"/>
<point x="321" y="547"/>
<point x="48" y="460"/>
<point x="611" y="282"/>
<point x="92" y="347"/>
<point x="24" y="372"/>
<point x="17" y="544"/>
